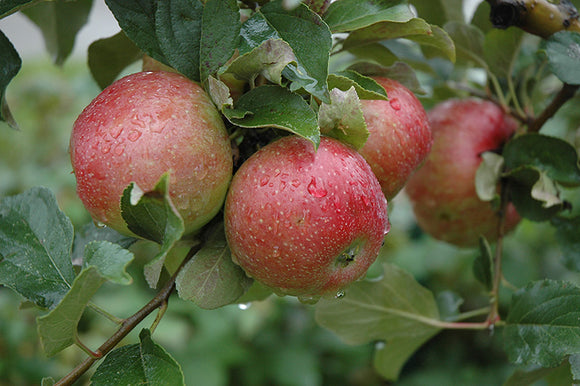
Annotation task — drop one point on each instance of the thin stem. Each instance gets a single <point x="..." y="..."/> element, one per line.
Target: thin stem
<point x="159" y="316"/>
<point x="95" y="355"/>
<point x="566" y="93"/>
<point x="494" y="316"/>
<point x="104" y="313"/>
<point x="472" y="314"/>
<point x="128" y="325"/>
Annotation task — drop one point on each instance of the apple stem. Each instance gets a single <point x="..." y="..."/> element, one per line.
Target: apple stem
<point x="159" y="301"/>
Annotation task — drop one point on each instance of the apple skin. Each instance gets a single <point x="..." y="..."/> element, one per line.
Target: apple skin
<point x="305" y="222"/>
<point x="399" y="136"/>
<point x="142" y="126"/>
<point x="442" y="192"/>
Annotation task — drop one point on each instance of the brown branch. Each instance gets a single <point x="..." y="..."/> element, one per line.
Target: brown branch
<point x="566" y="93"/>
<point x="538" y="17"/>
<point x="128" y="325"/>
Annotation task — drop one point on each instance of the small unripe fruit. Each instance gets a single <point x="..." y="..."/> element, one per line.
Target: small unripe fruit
<point x="141" y="127"/>
<point x="443" y="192"/>
<point x="399" y="136"/>
<point x="305" y="222"/>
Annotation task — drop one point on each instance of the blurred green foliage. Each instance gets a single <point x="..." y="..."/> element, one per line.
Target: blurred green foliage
<point x="273" y="342"/>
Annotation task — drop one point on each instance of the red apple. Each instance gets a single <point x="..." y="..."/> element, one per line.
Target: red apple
<point x="442" y="192"/>
<point x="141" y="127"/>
<point x="399" y="136"/>
<point x="305" y="222"/>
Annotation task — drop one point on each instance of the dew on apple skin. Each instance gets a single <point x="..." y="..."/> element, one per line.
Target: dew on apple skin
<point x="105" y="148"/>
<point x="315" y="190"/>
<point x="395" y="104"/>
<point x="264" y="181"/>
<point x="99" y="224"/>
<point x="134" y="135"/>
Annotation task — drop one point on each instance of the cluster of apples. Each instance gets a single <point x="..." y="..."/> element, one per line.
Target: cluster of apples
<point x="302" y="221"/>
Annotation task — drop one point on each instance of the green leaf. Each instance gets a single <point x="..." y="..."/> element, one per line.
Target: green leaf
<point x="555" y="156"/>
<point x="267" y="59"/>
<point x="10" y="64"/>
<point x="137" y="19"/>
<point x="500" y="49"/>
<point x="542" y="324"/>
<point x="488" y="175"/>
<point x="35" y="247"/>
<point x="483" y="264"/>
<point x="310" y="40"/>
<point x="108" y="57"/>
<point x="387" y="30"/>
<point x="468" y="42"/>
<point x="399" y="71"/>
<point x="440" y="11"/>
<point x="139" y="364"/>
<point x="529" y="377"/>
<point x="417" y="30"/>
<point x="110" y="260"/>
<point x="350" y="15"/>
<point x="153" y="216"/>
<point x="90" y="232"/>
<point x="274" y="106"/>
<point x="58" y="328"/>
<point x="568" y="236"/>
<point x="343" y="118"/>
<point x="563" y="52"/>
<point x="220" y="33"/>
<point x="211" y="279"/>
<point x="60" y="21"/>
<point x="103" y="261"/>
<point x="219" y="92"/>
<point x="8" y="7"/>
<point x="520" y="183"/>
<point x="366" y="88"/>
<point x="575" y="366"/>
<point x="395" y="310"/>
<point x="178" y="26"/>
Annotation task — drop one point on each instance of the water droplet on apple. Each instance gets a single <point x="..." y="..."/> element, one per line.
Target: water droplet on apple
<point x="116" y="131"/>
<point x="105" y="148"/>
<point x="366" y="200"/>
<point x="119" y="149"/>
<point x="339" y="294"/>
<point x="337" y="204"/>
<point x="295" y="183"/>
<point x="134" y="135"/>
<point x="244" y="306"/>
<point x="99" y="224"/>
<point x="264" y="180"/>
<point x="315" y="190"/>
<point x="387" y="228"/>
<point x="395" y="104"/>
